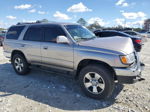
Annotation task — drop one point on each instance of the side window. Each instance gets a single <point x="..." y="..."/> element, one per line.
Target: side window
<point x="111" y="34"/>
<point x="33" y="34"/>
<point x="98" y="34"/>
<point x="14" y="32"/>
<point x="102" y="34"/>
<point x="52" y="32"/>
<point x="120" y="34"/>
<point x="115" y="34"/>
<point x="106" y="34"/>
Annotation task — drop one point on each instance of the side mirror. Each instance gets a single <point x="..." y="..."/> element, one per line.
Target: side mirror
<point x="62" y="40"/>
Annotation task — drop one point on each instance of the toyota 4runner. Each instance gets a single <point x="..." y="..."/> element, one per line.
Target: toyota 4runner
<point x="97" y="63"/>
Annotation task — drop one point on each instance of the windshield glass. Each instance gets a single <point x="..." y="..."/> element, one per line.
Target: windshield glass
<point x="79" y="33"/>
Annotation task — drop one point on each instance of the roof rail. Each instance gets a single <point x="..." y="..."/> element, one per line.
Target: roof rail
<point x="20" y="23"/>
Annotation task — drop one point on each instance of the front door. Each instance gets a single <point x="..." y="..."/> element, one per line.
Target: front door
<point x="59" y="55"/>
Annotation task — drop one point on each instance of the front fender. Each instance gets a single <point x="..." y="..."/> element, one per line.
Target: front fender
<point x="111" y="59"/>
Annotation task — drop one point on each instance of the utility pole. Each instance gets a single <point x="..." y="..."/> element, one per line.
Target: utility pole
<point x="125" y="23"/>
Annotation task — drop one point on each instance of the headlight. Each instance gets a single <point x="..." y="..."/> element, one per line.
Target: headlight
<point x="128" y="59"/>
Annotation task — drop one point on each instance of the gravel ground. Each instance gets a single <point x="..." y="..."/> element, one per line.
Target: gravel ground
<point x="42" y="91"/>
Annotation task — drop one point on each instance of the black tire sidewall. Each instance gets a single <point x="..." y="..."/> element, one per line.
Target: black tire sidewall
<point x="26" y="65"/>
<point x="105" y="74"/>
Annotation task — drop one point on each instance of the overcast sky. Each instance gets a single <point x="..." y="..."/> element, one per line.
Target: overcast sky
<point x="106" y="12"/>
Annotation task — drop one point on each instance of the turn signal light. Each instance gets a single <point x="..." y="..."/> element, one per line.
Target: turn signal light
<point x="124" y="59"/>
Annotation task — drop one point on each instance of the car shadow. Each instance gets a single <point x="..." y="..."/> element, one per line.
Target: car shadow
<point x="55" y="90"/>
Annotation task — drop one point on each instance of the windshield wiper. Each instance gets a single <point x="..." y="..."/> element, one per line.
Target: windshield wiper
<point x="90" y="38"/>
<point x="85" y="39"/>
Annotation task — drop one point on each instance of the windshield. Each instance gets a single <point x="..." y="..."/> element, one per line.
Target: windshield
<point x="79" y="33"/>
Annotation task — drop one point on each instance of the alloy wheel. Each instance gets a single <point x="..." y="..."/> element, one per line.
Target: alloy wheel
<point x="94" y="83"/>
<point x="19" y="64"/>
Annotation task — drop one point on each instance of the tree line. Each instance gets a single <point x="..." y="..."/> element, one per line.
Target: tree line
<point x="95" y="25"/>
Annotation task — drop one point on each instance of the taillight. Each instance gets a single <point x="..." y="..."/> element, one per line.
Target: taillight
<point x="138" y="41"/>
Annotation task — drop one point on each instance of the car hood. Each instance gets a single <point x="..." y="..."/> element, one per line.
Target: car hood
<point x="117" y="43"/>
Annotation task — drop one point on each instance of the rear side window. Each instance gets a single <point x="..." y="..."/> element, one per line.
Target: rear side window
<point x="33" y="34"/>
<point x="131" y="33"/>
<point x="97" y="34"/>
<point x="116" y="34"/>
<point x="106" y="34"/>
<point x="109" y="34"/>
<point x="14" y="32"/>
<point x="122" y="34"/>
<point x="52" y="32"/>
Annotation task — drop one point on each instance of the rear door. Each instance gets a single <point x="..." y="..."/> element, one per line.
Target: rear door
<point x="32" y="44"/>
<point x="54" y="54"/>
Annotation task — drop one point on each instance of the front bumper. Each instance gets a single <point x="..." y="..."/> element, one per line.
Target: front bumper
<point x="131" y="74"/>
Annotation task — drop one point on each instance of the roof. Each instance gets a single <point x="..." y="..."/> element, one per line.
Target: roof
<point x="43" y="23"/>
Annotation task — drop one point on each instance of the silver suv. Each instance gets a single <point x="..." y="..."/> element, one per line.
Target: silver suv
<point x="97" y="63"/>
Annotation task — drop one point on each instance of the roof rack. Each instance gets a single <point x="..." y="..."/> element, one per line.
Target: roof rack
<point x="38" y="21"/>
<point x="20" y="23"/>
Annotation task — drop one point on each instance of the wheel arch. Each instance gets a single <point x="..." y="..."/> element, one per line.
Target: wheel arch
<point x="86" y="62"/>
<point x="17" y="52"/>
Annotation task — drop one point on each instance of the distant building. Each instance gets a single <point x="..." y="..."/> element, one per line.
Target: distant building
<point x="147" y="25"/>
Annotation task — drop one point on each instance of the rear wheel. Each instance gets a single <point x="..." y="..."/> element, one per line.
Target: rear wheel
<point x="96" y="81"/>
<point x="20" y="64"/>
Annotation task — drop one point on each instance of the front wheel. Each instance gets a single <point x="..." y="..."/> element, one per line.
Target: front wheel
<point x="96" y="81"/>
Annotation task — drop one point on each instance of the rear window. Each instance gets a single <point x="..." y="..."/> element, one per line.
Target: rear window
<point x="14" y="32"/>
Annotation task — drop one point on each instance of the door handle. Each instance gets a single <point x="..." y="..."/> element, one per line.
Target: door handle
<point x="45" y="47"/>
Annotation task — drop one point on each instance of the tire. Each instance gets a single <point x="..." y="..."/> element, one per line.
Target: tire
<point x="98" y="86"/>
<point x="21" y="67"/>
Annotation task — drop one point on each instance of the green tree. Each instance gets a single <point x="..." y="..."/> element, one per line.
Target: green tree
<point x="82" y="22"/>
<point x="1" y="29"/>
<point x="94" y="26"/>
